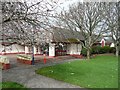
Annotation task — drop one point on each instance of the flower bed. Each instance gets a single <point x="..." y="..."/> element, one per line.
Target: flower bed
<point x="4" y="63"/>
<point x="26" y="59"/>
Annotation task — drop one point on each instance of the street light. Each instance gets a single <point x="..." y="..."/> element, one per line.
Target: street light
<point x="32" y="47"/>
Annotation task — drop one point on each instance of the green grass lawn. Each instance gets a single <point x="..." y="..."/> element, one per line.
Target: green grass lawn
<point x="12" y="85"/>
<point x="99" y="72"/>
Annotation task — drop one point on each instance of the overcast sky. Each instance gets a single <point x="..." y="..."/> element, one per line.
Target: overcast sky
<point x="61" y="3"/>
<point x="65" y="4"/>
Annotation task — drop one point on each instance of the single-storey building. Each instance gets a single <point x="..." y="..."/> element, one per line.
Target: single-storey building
<point x="59" y="42"/>
<point x="65" y="42"/>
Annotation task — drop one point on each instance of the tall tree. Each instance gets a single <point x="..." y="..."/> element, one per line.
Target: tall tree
<point x="113" y="22"/>
<point x="86" y="18"/>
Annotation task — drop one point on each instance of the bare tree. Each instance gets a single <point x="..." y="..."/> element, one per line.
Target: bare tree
<point x="87" y="19"/>
<point x="112" y="17"/>
<point x="26" y="19"/>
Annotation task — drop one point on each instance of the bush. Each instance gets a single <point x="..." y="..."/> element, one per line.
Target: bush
<point x="99" y="50"/>
<point x="96" y="49"/>
<point x="105" y="49"/>
<point x="84" y="52"/>
<point x="112" y="50"/>
<point x="102" y="50"/>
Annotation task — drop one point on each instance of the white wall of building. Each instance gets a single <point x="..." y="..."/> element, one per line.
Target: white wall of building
<point x="26" y="49"/>
<point x="74" y="49"/>
<point x="1" y="48"/>
<point x="35" y="50"/>
<point x="68" y="48"/>
<point x="39" y="51"/>
<point x="14" y="48"/>
<point x="112" y="45"/>
<point x="51" y="49"/>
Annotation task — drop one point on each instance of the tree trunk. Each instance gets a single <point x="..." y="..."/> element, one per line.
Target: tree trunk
<point x="117" y="51"/>
<point x="88" y="54"/>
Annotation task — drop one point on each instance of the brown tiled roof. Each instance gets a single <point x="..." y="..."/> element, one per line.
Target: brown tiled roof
<point x="65" y="35"/>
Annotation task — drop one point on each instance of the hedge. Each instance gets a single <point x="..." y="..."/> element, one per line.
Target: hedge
<point x="105" y="49"/>
<point x="95" y="50"/>
<point x="99" y="50"/>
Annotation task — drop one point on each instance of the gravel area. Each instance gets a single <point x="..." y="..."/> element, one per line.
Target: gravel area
<point x="25" y="74"/>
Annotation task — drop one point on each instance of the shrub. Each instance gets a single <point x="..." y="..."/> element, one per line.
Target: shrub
<point x="112" y="50"/>
<point x="96" y="49"/>
<point x="102" y="50"/>
<point x="99" y="50"/>
<point x="84" y="52"/>
<point x="105" y="49"/>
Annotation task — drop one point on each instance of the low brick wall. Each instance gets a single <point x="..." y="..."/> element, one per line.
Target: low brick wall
<point x="4" y="63"/>
<point x="77" y="56"/>
<point x="26" y="59"/>
<point x="29" y="62"/>
<point x="5" y="66"/>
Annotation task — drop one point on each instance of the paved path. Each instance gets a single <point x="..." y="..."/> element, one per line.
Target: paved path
<point x="25" y="74"/>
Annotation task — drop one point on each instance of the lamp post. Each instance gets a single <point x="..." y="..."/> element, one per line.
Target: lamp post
<point x="32" y="47"/>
